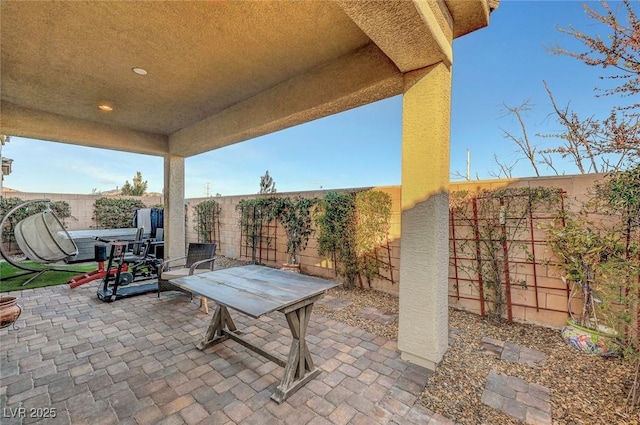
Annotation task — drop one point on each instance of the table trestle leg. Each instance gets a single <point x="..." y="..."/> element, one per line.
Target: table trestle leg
<point x="215" y="333"/>
<point x="299" y="369"/>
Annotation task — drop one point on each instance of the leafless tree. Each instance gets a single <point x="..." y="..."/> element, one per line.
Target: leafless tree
<point x="619" y="49"/>
<point x="522" y="142"/>
<point x="592" y="144"/>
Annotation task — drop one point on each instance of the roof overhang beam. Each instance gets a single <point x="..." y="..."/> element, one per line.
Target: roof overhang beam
<point x="24" y="122"/>
<point x="356" y="79"/>
<point x="414" y="34"/>
<point x="470" y="15"/>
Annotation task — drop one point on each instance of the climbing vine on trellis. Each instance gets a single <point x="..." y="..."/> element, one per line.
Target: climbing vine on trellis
<point x="207" y="221"/>
<point x="295" y="216"/>
<point x="255" y="220"/>
<point x="489" y="230"/>
<point x="351" y="226"/>
<point x="336" y="224"/>
<point x="373" y="220"/>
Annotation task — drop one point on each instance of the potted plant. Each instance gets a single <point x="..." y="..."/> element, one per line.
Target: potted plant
<point x="10" y="310"/>
<point x="295" y="217"/>
<point x="593" y="264"/>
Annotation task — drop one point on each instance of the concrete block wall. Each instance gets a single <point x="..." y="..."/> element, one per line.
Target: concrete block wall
<point x="550" y="306"/>
<point x="81" y="206"/>
<point x="311" y="263"/>
<point x="551" y="290"/>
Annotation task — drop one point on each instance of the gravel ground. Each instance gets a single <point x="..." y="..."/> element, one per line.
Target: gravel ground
<point x="223" y="262"/>
<point x="584" y="389"/>
<point x="361" y="299"/>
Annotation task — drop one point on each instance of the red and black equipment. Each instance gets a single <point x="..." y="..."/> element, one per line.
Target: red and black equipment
<point x="100" y="255"/>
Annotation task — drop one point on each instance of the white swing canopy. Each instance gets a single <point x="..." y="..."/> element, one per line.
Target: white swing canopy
<point x="43" y="238"/>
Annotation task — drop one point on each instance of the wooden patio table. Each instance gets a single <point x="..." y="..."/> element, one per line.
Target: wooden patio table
<point x="255" y="291"/>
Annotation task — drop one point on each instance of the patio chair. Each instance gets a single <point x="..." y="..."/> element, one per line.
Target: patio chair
<point x="199" y="259"/>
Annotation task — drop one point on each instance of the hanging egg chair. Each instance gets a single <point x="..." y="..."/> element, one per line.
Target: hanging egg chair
<point x="41" y="237"/>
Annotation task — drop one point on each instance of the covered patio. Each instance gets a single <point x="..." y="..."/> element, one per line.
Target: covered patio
<point x="176" y="79"/>
<point x="82" y="361"/>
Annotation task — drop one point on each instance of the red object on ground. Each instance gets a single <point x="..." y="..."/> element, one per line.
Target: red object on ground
<point x="100" y="273"/>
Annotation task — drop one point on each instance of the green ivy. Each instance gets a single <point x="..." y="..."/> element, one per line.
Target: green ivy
<point x="115" y="213"/>
<point x="336" y="222"/>
<point x="607" y="244"/>
<point x="351" y="227"/>
<point x="619" y="194"/>
<point x="254" y="213"/>
<point x="594" y="265"/>
<point x="295" y="217"/>
<point x="373" y="220"/>
<point x="207" y="221"/>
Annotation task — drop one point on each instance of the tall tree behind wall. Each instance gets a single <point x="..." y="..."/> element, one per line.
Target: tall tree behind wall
<point x="138" y="188"/>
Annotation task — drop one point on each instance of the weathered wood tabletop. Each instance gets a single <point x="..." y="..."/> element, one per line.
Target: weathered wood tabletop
<point x="254" y="290"/>
<point x="257" y="290"/>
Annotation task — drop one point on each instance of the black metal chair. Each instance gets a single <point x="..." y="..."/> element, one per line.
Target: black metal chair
<point x="138" y="248"/>
<point x="156" y="245"/>
<point x="200" y="258"/>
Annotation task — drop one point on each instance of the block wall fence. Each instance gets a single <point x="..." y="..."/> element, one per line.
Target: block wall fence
<point x="543" y="301"/>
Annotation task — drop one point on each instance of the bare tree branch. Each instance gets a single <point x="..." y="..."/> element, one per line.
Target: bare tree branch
<point x="523" y="143"/>
<point x="618" y="47"/>
<point x="547" y="160"/>
<point x="592" y="144"/>
<point x="504" y="170"/>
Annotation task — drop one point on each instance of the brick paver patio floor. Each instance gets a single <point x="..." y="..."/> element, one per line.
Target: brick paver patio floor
<point x="134" y="361"/>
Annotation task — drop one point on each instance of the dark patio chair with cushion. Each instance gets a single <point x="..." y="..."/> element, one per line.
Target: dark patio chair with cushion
<point x="199" y="259"/>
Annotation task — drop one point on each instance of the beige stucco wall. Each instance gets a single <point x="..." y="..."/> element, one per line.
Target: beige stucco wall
<point x="576" y="186"/>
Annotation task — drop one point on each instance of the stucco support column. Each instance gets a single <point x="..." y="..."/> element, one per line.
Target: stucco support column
<point x="174" y="227"/>
<point x="424" y="255"/>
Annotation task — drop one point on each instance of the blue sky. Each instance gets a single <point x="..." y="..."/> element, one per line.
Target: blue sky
<point x="503" y="63"/>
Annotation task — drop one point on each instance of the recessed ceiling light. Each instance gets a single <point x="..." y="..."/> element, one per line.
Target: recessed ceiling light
<point x="105" y="107"/>
<point x="139" y="71"/>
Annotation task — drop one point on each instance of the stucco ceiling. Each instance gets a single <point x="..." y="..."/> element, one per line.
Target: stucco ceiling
<point x="218" y="72"/>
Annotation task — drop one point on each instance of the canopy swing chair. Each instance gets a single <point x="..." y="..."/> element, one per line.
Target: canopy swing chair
<point x="42" y="238"/>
